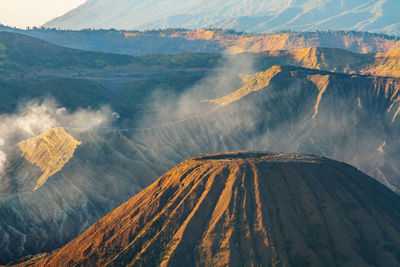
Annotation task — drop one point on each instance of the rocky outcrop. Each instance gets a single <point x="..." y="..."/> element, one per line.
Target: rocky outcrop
<point x="50" y="151"/>
<point x="251" y="83"/>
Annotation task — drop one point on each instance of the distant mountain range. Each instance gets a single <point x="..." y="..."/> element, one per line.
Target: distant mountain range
<point x="32" y="68"/>
<point x="249" y="15"/>
<point x="209" y="41"/>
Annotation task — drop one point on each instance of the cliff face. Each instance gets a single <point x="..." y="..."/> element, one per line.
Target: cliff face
<point x="50" y="151"/>
<point x="247" y="209"/>
<point x="388" y="88"/>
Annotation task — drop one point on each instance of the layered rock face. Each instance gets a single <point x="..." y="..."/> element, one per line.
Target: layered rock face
<point x="50" y="151"/>
<point x="245" y="209"/>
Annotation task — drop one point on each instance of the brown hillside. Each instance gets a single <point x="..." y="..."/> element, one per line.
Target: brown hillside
<point x="247" y="209"/>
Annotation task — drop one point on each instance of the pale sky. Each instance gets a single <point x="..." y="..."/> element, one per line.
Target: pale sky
<point x="23" y="13"/>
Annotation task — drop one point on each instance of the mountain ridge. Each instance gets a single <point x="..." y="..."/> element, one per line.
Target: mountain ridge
<point x="252" y="16"/>
<point x="209" y="40"/>
<point x="320" y="78"/>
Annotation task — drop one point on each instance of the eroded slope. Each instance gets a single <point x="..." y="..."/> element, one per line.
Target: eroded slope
<point x="50" y="151"/>
<point x="389" y="88"/>
<point x="247" y="209"/>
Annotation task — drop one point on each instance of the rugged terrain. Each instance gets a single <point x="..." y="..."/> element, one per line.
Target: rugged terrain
<point x="250" y="15"/>
<point x="351" y="118"/>
<point x="210" y="40"/>
<point x="33" y="69"/>
<point x="44" y="204"/>
<point x="183" y="105"/>
<point x="247" y="209"/>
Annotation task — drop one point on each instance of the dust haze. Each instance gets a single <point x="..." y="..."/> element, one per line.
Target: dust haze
<point x="35" y="117"/>
<point x="223" y="80"/>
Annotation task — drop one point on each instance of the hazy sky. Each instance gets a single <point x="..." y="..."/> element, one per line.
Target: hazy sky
<point x="22" y="13"/>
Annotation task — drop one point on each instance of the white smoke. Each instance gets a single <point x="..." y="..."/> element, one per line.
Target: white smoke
<point x="222" y="81"/>
<point x="35" y="117"/>
<point x="3" y="159"/>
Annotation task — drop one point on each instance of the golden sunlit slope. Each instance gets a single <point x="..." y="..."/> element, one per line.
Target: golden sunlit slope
<point x="385" y="64"/>
<point x="239" y="43"/>
<point x="251" y="83"/>
<point x="50" y="151"/>
<point x="328" y="59"/>
<point x="338" y="60"/>
<point x="247" y="209"/>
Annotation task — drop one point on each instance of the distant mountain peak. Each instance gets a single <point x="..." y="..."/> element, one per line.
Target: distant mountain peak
<point x="50" y="151"/>
<point x="250" y="15"/>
